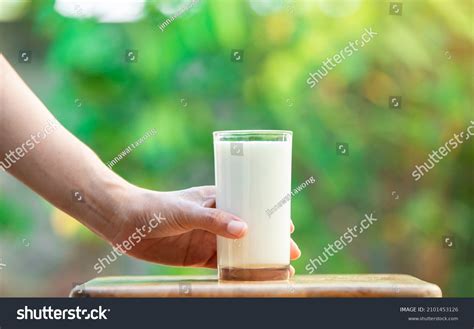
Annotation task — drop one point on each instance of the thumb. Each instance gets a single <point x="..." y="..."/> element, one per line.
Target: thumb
<point x="218" y="222"/>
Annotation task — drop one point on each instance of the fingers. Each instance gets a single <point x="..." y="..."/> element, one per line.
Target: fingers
<point x="218" y="222"/>
<point x="295" y="252"/>
<point x="206" y="191"/>
<point x="222" y="223"/>
<point x="200" y="195"/>
<point x="211" y="262"/>
<point x="204" y="195"/>
<point x="209" y="203"/>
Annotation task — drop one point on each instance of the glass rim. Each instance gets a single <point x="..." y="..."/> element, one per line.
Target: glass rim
<point x="256" y="132"/>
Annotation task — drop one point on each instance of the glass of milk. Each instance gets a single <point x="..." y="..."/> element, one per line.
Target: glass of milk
<point x="253" y="182"/>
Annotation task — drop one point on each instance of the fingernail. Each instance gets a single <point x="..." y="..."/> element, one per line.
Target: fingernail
<point x="236" y="228"/>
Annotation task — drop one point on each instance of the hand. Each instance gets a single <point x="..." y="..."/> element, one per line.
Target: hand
<point x="185" y="233"/>
<point x="110" y="206"/>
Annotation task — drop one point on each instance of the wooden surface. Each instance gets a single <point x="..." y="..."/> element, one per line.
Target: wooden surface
<point x="363" y="285"/>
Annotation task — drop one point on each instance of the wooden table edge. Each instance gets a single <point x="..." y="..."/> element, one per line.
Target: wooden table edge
<point x="94" y="289"/>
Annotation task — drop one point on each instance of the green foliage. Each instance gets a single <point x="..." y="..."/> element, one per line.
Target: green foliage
<point x="13" y="218"/>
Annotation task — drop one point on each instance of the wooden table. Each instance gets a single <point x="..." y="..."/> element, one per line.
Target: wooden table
<point x="361" y="285"/>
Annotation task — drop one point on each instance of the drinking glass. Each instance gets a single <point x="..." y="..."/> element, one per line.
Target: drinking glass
<point x="253" y="182"/>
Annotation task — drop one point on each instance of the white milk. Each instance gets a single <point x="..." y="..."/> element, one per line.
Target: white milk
<point x="248" y="185"/>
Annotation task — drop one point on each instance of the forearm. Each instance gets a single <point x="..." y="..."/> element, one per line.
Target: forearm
<point x="45" y="156"/>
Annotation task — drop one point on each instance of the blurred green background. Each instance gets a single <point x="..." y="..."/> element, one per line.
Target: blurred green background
<point x="184" y="84"/>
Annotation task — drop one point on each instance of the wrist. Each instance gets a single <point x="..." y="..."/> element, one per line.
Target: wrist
<point x="106" y="196"/>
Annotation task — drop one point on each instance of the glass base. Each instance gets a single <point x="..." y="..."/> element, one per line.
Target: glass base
<point x="254" y="274"/>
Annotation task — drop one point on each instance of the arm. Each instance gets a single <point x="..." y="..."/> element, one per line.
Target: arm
<point x="40" y="152"/>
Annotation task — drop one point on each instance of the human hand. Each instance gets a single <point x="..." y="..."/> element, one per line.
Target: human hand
<point x="62" y="167"/>
<point x="179" y="228"/>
